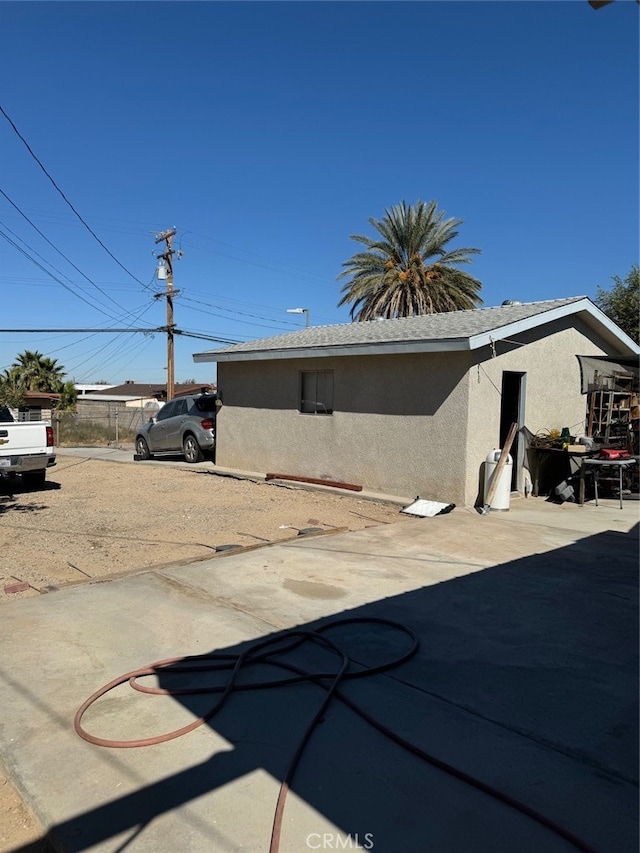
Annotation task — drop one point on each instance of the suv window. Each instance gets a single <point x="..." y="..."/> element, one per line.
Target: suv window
<point x="206" y="403"/>
<point x="167" y="411"/>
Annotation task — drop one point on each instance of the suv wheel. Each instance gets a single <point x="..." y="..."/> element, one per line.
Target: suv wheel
<point x="142" y="448"/>
<point x="191" y="449"/>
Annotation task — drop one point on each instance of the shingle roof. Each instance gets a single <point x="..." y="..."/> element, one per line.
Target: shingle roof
<point x="452" y="330"/>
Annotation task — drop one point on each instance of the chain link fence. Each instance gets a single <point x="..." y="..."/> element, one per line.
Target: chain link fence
<point x="113" y="427"/>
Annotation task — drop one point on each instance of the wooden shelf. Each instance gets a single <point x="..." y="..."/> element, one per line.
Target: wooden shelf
<point x="609" y="413"/>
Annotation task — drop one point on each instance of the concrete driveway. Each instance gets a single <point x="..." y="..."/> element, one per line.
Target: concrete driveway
<point x="524" y="688"/>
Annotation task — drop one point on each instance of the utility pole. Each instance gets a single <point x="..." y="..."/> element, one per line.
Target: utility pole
<point x="166" y="256"/>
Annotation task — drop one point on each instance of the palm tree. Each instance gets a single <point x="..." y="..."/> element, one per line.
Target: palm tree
<point x="37" y="372"/>
<point x="68" y="397"/>
<point x="408" y="270"/>
<point x="11" y="391"/>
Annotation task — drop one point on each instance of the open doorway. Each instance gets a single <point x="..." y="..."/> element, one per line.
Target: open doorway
<point x="512" y="410"/>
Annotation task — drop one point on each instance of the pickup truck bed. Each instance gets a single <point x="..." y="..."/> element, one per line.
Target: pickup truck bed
<point x="26" y="448"/>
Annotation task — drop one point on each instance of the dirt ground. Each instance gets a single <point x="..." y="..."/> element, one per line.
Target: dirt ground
<point x="96" y="519"/>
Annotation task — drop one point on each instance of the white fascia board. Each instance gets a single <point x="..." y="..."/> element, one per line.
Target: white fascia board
<point x="113" y="398"/>
<point x="378" y="348"/>
<point x="578" y="307"/>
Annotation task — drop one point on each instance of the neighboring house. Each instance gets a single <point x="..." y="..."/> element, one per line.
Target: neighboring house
<point x="133" y="403"/>
<point x="409" y="406"/>
<point x="83" y="388"/>
<point x="37" y="406"/>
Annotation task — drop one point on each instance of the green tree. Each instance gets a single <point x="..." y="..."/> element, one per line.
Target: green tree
<point x="11" y="390"/>
<point x="68" y="397"/>
<point x="621" y="303"/>
<point x="38" y="372"/>
<point x="33" y="371"/>
<point x="408" y="269"/>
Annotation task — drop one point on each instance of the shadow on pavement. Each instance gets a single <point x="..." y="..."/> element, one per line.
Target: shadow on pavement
<point x="526" y="679"/>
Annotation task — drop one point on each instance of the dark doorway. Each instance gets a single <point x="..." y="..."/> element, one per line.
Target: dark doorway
<point x="512" y="411"/>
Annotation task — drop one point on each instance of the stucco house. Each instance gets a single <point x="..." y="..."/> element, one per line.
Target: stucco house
<point x="409" y="406"/>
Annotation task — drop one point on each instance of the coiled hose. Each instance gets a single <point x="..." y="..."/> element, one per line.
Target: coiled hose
<point x="265" y="652"/>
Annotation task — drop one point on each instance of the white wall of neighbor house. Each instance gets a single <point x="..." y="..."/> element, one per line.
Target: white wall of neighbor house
<point x="553" y="399"/>
<point x="399" y="422"/>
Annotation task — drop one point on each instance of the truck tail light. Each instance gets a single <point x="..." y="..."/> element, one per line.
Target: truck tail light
<point x="49" y="436"/>
<point x="207" y="423"/>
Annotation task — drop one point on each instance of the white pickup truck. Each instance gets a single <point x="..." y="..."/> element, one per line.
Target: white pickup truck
<point x="26" y="449"/>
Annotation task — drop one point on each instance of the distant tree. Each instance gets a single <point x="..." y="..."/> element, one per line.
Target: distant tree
<point x="11" y="391"/>
<point x="68" y="397"/>
<point x="621" y="303"/>
<point x="408" y="270"/>
<point x="33" y="371"/>
<point x="188" y="382"/>
<point x="37" y="372"/>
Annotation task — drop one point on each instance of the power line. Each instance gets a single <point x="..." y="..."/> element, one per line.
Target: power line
<point x="89" y="229"/>
<point x="119" y="352"/>
<point x="51" y="275"/>
<point x="206" y="337"/>
<point x="146" y="330"/>
<point x="232" y="311"/>
<point x="68" y="260"/>
<point x="302" y="276"/>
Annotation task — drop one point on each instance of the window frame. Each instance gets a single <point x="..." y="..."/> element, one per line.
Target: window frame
<point x="316" y="406"/>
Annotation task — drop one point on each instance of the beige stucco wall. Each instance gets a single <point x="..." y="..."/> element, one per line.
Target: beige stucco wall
<point x="552" y="397"/>
<point x="399" y="422"/>
<point x="403" y="424"/>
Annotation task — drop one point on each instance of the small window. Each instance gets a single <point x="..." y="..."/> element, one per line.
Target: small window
<point x="316" y="392"/>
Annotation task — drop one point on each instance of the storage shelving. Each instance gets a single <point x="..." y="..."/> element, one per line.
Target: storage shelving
<point x="613" y="415"/>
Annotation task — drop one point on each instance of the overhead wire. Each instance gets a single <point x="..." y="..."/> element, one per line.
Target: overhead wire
<point x="51" y="275"/>
<point x="232" y="311"/>
<point x="101" y="349"/>
<point x="270" y="263"/>
<point x="303" y="274"/>
<point x="287" y="268"/>
<point x="204" y="337"/>
<point x="64" y="197"/>
<point x="142" y="346"/>
<point x="61" y="253"/>
<point x="132" y="315"/>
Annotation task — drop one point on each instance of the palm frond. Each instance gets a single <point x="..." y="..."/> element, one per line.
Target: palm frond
<point x="409" y="271"/>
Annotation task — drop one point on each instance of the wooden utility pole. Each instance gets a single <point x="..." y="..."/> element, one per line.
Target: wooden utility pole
<point x="166" y="256"/>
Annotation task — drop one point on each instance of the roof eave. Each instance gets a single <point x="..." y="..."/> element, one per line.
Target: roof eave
<point x="585" y="307"/>
<point x="378" y="348"/>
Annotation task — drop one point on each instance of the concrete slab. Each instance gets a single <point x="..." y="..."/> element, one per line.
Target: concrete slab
<point x="526" y="679"/>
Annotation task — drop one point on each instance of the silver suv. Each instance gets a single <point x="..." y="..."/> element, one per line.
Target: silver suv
<point x="184" y="425"/>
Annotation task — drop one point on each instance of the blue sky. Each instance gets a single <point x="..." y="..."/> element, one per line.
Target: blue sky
<point x="268" y="132"/>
